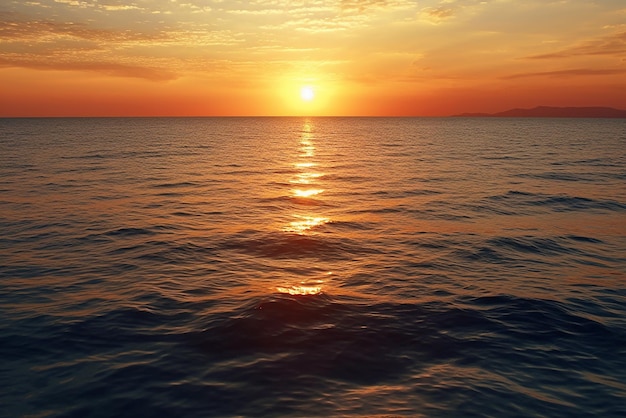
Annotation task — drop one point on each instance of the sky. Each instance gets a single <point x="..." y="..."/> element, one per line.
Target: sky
<point x="358" y="57"/>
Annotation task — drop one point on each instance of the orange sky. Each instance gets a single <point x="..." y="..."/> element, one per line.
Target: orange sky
<point x="362" y="57"/>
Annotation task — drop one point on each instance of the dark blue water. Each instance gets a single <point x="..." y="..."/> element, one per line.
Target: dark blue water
<point x="313" y="267"/>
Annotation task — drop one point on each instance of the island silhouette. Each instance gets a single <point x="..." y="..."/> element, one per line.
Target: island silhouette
<point x="554" y="112"/>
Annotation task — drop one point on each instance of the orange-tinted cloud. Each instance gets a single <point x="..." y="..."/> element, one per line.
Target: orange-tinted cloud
<point x="436" y="15"/>
<point x="569" y="73"/>
<point x="614" y="44"/>
<point x="113" y="69"/>
<point x="15" y="27"/>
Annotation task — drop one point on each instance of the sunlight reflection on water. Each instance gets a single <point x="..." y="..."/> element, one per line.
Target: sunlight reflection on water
<point x="305" y="221"/>
<point x="300" y="290"/>
<point x="307" y="192"/>
<point x="305" y="178"/>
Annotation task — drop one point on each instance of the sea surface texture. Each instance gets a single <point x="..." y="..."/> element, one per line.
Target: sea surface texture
<point x="303" y="267"/>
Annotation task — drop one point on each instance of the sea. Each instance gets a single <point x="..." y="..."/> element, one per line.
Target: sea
<point x="306" y="267"/>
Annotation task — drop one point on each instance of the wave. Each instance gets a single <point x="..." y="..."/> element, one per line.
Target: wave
<point x="557" y="203"/>
<point x="292" y="245"/>
<point x="129" y="232"/>
<point x="296" y="338"/>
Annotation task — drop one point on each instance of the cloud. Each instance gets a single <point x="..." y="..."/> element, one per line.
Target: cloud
<point x="569" y="73"/>
<point x="19" y="29"/>
<point x="436" y="15"/>
<point x="362" y="4"/>
<point x="45" y="44"/>
<point x="372" y="6"/>
<point x="108" y="68"/>
<point x="258" y="12"/>
<point x="318" y="25"/>
<point x="310" y="16"/>
<point x="614" y="44"/>
<point x="82" y="4"/>
<point x="115" y="8"/>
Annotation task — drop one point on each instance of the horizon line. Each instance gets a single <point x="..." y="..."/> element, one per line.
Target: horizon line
<point x="499" y="114"/>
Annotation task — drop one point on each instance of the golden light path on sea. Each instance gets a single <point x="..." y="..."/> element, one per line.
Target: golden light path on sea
<point x="305" y="221"/>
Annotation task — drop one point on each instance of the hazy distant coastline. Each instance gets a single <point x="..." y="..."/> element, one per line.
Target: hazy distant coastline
<point x="554" y="112"/>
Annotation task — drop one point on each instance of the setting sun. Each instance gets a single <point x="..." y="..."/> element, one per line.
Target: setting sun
<point x="307" y="93"/>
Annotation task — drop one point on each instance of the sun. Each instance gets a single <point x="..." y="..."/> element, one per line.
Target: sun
<point x="307" y="94"/>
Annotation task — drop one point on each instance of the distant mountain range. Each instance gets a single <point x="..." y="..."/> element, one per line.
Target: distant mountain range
<point x="553" y="112"/>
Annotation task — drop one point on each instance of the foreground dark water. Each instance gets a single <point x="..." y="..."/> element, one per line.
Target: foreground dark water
<point x="308" y="267"/>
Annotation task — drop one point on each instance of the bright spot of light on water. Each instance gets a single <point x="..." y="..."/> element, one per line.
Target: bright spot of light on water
<point x="305" y="223"/>
<point x="305" y="178"/>
<point x="307" y="192"/>
<point x="301" y="290"/>
<point x="307" y="287"/>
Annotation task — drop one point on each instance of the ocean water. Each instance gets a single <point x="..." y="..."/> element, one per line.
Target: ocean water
<point x="201" y="267"/>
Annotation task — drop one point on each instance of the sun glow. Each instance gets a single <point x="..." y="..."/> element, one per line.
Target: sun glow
<point x="307" y="94"/>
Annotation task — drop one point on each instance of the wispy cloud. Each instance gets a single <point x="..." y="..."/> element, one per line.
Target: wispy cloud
<point x="14" y="28"/>
<point x="362" y="5"/>
<point x="46" y="44"/>
<point x="568" y="73"/>
<point x="614" y="44"/>
<point x="108" y="68"/>
<point x="162" y="6"/>
<point x="436" y="14"/>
